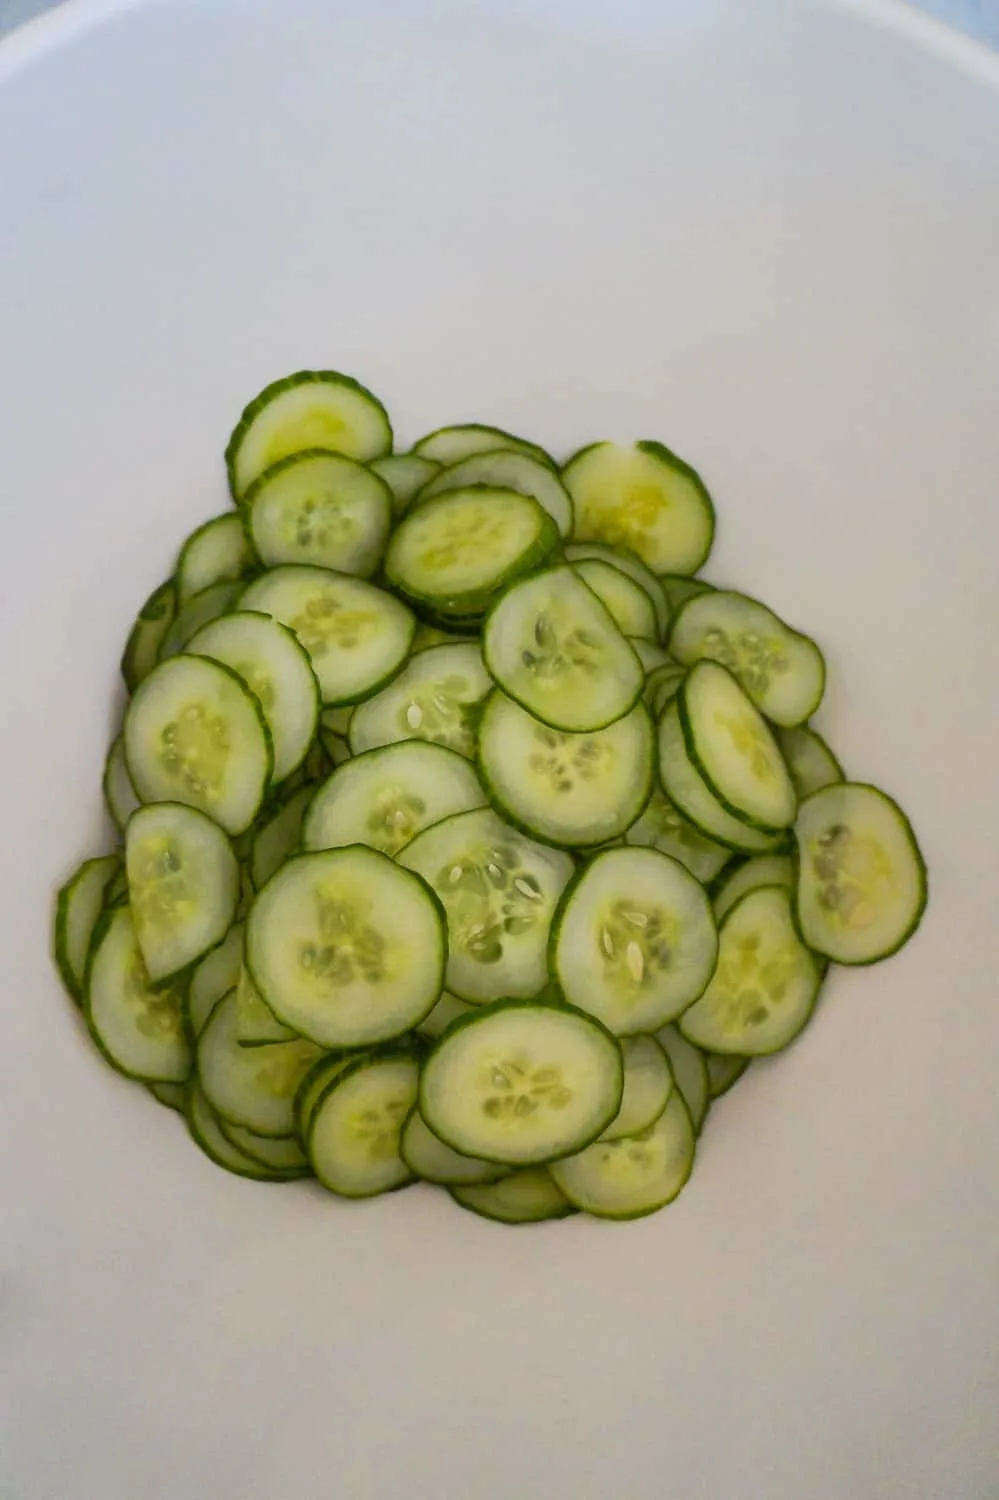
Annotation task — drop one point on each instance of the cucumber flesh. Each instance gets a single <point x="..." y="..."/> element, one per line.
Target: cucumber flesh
<point x="281" y="1155"/>
<point x="278" y="838"/>
<point x="448" y="1008"/>
<point x="405" y="474"/>
<point x="690" y="1072"/>
<point x="687" y="790"/>
<point x="636" y="1175"/>
<point x="206" y="1131"/>
<point x="627" y="563"/>
<point x="170" y="1095"/>
<point x="119" y="793"/>
<point x="730" y="744"/>
<point x="451" y="445"/>
<point x="196" y="612"/>
<point x="528" y="1196"/>
<point x="651" y="656"/>
<point x="628" y="605"/>
<point x="506" y="469"/>
<point x="642" y="497"/>
<point x="429" y="1158"/>
<point x="662" y="826"/>
<point x="313" y="1085"/>
<point x="251" y="1086"/>
<point x="142" y="649"/>
<point x="765" y="869"/>
<point x="320" y="508"/>
<point x="809" y="760"/>
<point x="648" y="1084"/>
<point x="435" y="697"/>
<point x="78" y="907"/>
<point x="183" y="885"/>
<point x="218" y="552"/>
<point x="139" y="1029"/>
<point x="678" y="589"/>
<point x="256" y="1023"/>
<point x="724" y="1070"/>
<point x="216" y="974"/>
<point x="661" y="686"/>
<point x="356" y="1126"/>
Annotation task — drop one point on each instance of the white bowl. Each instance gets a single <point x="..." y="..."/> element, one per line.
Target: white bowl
<point x="768" y="234"/>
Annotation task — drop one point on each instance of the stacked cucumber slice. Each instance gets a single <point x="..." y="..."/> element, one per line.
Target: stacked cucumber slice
<point x="466" y="835"/>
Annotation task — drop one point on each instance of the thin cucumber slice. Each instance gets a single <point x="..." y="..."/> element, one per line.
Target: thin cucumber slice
<point x="451" y="445"/>
<point x="454" y="554"/>
<point x="528" y="1196"/>
<point x="385" y="797"/>
<point x="321" y="508"/>
<point x="729" y="743"/>
<point x="256" y="1023"/>
<point x="119" y="793"/>
<point x="346" y="947"/>
<point x="862" y="885"/>
<point x="575" y="790"/>
<point x="251" y="1086"/>
<point x="690" y="1073"/>
<point x="629" y="564"/>
<point x="170" y="1095"/>
<point x="218" y="552"/>
<point x="355" y="1129"/>
<point x="194" y="733"/>
<point x="809" y="760"/>
<point x="662" y="826"/>
<point x="724" y="1070"/>
<point x="206" y="1132"/>
<point x="278" y="838"/>
<point x="522" y="1084"/>
<point x="766" y="983"/>
<point x="781" y="670"/>
<point x="765" y="869"/>
<point x="280" y="1155"/>
<point x="688" y="791"/>
<point x="435" y="697"/>
<point x="183" y="885"/>
<point x="661" y="686"/>
<point x="430" y="1159"/>
<point x="357" y="636"/>
<point x="78" y="907"/>
<point x="337" y="720"/>
<point x="648" y="1084"/>
<point x="628" y="605"/>
<point x="313" y="1086"/>
<point x="277" y="670"/>
<point x="649" y="654"/>
<point x="117" y="887"/>
<point x="432" y="635"/>
<point x="140" y="1030"/>
<point x="405" y="474"/>
<point x="641" y="496"/>
<point x="552" y="646"/>
<point x="336" y="747"/>
<point x="633" y="1176"/>
<point x="634" y="940"/>
<point x="199" y="611"/>
<point x="506" y="469"/>
<point x="216" y="974"/>
<point x="448" y="1008"/>
<point x="310" y="409"/>
<point x="678" y="589"/>
<point x="142" y="649"/>
<point x="499" y="889"/>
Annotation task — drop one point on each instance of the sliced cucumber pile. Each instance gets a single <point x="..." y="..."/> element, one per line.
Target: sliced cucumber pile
<point x="465" y="835"/>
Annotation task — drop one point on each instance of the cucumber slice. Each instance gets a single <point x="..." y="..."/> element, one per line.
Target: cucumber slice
<point x="430" y="1159"/>
<point x="405" y="474"/>
<point x="337" y="720"/>
<point x="183" y="885"/>
<point x="661" y="687"/>
<point x="256" y="1023"/>
<point x="455" y="553"/>
<point x="140" y="1030"/>
<point x="766" y="983"/>
<point x="116" y="890"/>
<point x="678" y="589"/>
<point x="355" y="1129"/>
<point x="651" y="656"/>
<point x="522" y="1084"/>
<point x="432" y="635"/>
<point x="321" y="508"/>
<point x="197" y="612"/>
<point x="809" y="760"/>
<point x="648" y="1084"/>
<point x="690" y="1073"/>
<point x="554" y="649"/>
<point x="724" y="1071"/>
<point x="119" y="793"/>
<point x="170" y="1095"/>
<point x="628" y="605"/>
<point x="310" y="409"/>
<point x="781" y="670"/>
<point x="448" y="1008"/>
<point x="385" y="797"/>
<point x="499" y="889"/>
<point x="357" y="636"/>
<point x="277" y="670"/>
<point x="506" y="469"/>
<point x="142" y="649"/>
<point x="335" y="747"/>
<point x="641" y="496"/>
<point x="528" y="1196"/>
<point x="729" y="743"/>
<point x="662" y="826"/>
<point x="313" y="1086"/>
<point x="251" y="1086"/>
<point x="346" y="947"/>
<point x="765" y="869"/>
<point x="862" y="885"/>
<point x="451" y="445"/>
<point x="218" y="552"/>
<point x="78" y="907"/>
<point x="194" y="733"/>
<point x="633" y="1176"/>
<point x="688" y="791"/>
<point x="206" y="1132"/>
<point x="435" y="697"/>
<point x="627" y="563"/>
<point x="278" y="838"/>
<point x="634" y="940"/>
<point x="568" y="789"/>
<point x="280" y="1155"/>
<point x="216" y="974"/>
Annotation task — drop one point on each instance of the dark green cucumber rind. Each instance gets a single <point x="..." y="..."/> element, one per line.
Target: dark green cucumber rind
<point x="288" y="383"/>
<point x="196" y="536"/>
<point x="100" y="930"/>
<point x="748" y="850"/>
<point x="288" y="462"/>
<point x="643" y="1213"/>
<point x="481" y="1013"/>
<point x="523" y="445"/>
<point x="253" y="1169"/>
<point x="74" y="986"/>
<point x="700" y="766"/>
<point x="362" y="1062"/>
<point x="456" y="1193"/>
<point x="924" y="883"/>
<point x="729" y="1068"/>
<point x="678" y="588"/>
<point x="674" y="461"/>
<point x="148" y="634"/>
<point x="286" y="1174"/>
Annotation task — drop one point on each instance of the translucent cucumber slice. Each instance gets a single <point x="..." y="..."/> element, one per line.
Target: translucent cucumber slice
<point x="765" y="869"/>
<point x="451" y="445"/>
<point x="139" y="1029"/>
<point x="809" y="760"/>
<point x="216" y="974"/>
<point x="527" y="1196"/>
<point x="197" y="611"/>
<point x="405" y="474"/>
<point x="78" y="907"/>
<point x="633" y="1176"/>
<point x="569" y="789"/>
<point x="429" y="1158"/>
<point x="347" y="947"/>
<point x="552" y="646"/>
<point x="506" y="469"/>
<point x="435" y="697"/>
<point x="499" y="890"/>
<point x="432" y="635"/>
<point x="251" y="1086"/>
<point x="385" y="797"/>
<point x="729" y="742"/>
<point x="766" y="983"/>
<point x="724" y="1071"/>
<point x="218" y="552"/>
<point x="195" y="734"/>
<point x="313" y="1086"/>
<point x="648" y="1084"/>
<point x="522" y="1084"/>
<point x="310" y="409"/>
<point x="183" y="885"/>
<point x="782" y="671"/>
<point x="651" y="656"/>
<point x="256" y="1023"/>
<point x="448" y="1008"/>
<point x="206" y="1132"/>
<point x="142" y="649"/>
<point x="320" y="508"/>
<point x="355" y="1130"/>
<point x="678" y="589"/>
<point x="629" y="564"/>
<point x="119" y="793"/>
<point x="688" y="791"/>
<point x="277" y="670"/>
<point x="661" y="686"/>
<point x="634" y="941"/>
<point x="642" y="497"/>
<point x="280" y="1155"/>
<point x="628" y="605"/>
<point x="690" y="1072"/>
<point x="662" y="826"/>
<point x="357" y="636"/>
<point x="279" y="838"/>
<point x="862" y="884"/>
<point x="170" y="1095"/>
